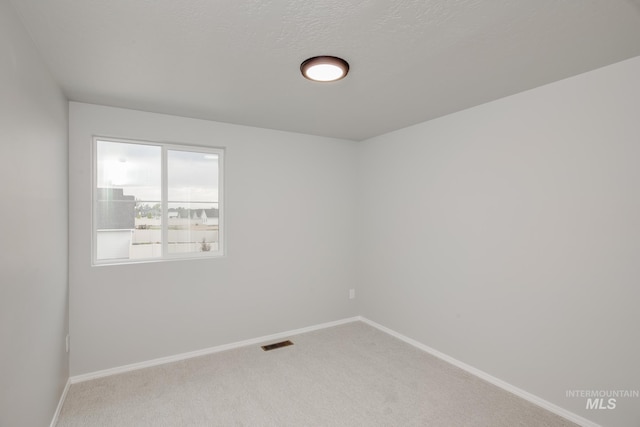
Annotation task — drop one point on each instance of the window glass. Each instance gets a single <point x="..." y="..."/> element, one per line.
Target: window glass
<point x="193" y="201"/>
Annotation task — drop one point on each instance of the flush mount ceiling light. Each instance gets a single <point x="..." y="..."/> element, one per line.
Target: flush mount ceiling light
<point x="324" y="68"/>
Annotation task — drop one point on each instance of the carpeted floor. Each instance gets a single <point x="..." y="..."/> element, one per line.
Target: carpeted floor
<point x="348" y="375"/>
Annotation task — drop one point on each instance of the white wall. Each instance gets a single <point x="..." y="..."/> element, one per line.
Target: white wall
<point x="290" y="236"/>
<point x="33" y="264"/>
<point x="508" y="237"/>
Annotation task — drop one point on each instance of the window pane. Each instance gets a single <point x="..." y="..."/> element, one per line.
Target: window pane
<point x="193" y="202"/>
<point x="128" y="194"/>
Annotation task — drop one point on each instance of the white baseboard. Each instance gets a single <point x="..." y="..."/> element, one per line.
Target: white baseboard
<point x="162" y="360"/>
<point x="489" y="378"/>
<point x="54" y="421"/>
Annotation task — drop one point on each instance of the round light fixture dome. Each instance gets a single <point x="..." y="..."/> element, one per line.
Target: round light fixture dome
<point x="324" y="68"/>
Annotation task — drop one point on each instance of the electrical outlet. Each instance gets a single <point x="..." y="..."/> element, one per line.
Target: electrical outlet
<point x="352" y="293"/>
<point x="66" y="342"/>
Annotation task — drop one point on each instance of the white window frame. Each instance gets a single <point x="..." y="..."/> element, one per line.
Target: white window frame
<point x="165" y="147"/>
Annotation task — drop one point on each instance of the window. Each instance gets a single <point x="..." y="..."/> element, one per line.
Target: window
<point x="154" y="201"/>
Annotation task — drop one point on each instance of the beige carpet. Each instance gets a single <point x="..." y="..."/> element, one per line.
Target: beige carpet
<point x="349" y="375"/>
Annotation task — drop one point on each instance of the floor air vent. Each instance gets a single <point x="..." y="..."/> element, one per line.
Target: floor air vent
<point x="276" y="345"/>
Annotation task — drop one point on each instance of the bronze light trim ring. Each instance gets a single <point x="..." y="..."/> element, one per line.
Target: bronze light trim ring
<point x="324" y="68"/>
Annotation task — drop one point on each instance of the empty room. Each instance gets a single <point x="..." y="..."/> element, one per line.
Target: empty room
<point x="320" y="213"/>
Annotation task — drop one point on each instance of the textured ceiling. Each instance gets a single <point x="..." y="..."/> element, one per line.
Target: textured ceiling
<point x="238" y="61"/>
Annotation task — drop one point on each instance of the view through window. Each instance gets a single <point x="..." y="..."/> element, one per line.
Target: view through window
<point x="156" y="201"/>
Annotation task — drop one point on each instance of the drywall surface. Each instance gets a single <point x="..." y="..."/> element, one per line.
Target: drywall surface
<point x="289" y="236"/>
<point x="508" y="237"/>
<point x="33" y="231"/>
